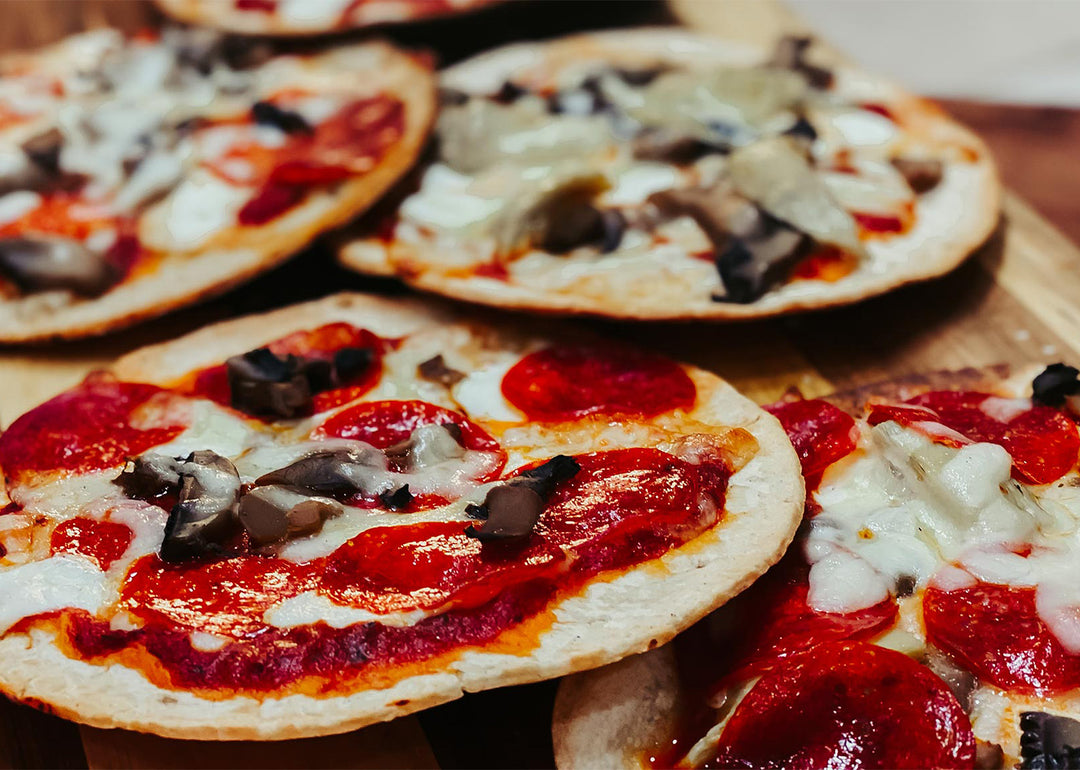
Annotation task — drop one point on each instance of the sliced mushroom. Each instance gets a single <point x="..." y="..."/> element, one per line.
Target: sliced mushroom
<point x="435" y="370"/>
<point x="204" y="517"/>
<point x="288" y="121"/>
<point x="922" y="174"/>
<point x="427" y="446"/>
<point x="511" y="509"/>
<point x="559" y="215"/>
<point x="338" y="473"/>
<point x="960" y="681"/>
<point x="1054" y="384"/>
<point x="150" y="476"/>
<point x="262" y="383"/>
<point x="398" y="500"/>
<point x="790" y="53"/>
<point x="43" y="150"/>
<point x="46" y="263"/>
<point x="775" y="174"/>
<point x="1049" y="741"/>
<point x="753" y="251"/>
<point x="670" y="146"/>
<point x="273" y="513"/>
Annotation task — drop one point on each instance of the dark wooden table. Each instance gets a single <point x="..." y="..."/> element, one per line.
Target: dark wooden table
<point x="1017" y="301"/>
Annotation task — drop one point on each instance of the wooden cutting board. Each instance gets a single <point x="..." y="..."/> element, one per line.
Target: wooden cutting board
<point x="1014" y="302"/>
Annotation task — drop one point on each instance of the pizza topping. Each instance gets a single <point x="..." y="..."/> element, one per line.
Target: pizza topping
<point x="271" y="514"/>
<point x="288" y="121"/>
<point x="150" y="476"/>
<point x="997" y="633"/>
<point x="85" y="429"/>
<point x="790" y="54"/>
<point x="338" y="473"/>
<point x="263" y="383"/>
<point x="436" y="370"/>
<point x="570" y="382"/>
<point x="398" y="500"/>
<point x="821" y="433"/>
<point x="204" y="517"/>
<point x="44" y="264"/>
<point x="103" y="542"/>
<point x="847" y="704"/>
<point x="922" y="174"/>
<point x="426" y="446"/>
<point x="1043" y="443"/>
<point x="1048" y="741"/>
<point x="43" y="150"/>
<point x="511" y="509"/>
<point x="1055" y="384"/>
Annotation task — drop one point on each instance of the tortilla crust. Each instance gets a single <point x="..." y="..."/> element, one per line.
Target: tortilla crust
<point x="181" y="279"/>
<point x="608" y="717"/>
<point x="951" y="221"/>
<point x="217" y="15"/>
<point x="606" y="621"/>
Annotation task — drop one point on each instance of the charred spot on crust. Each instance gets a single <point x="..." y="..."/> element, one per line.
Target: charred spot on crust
<point x="398" y="500"/>
<point x="288" y="121"/>
<point x="1054" y="384"/>
<point x="1048" y="742"/>
<point x="511" y="509"/>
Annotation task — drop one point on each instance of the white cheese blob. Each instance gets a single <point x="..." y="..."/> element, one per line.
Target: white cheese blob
<point x="311" y="12"/>
<point x="480" y="394"/>
<point x="15" y="205"/>
<point x="312" y="607"/>
<point x="444" y="202"/>
<point x="195" y="211"/>
<point x="49" y="585"/>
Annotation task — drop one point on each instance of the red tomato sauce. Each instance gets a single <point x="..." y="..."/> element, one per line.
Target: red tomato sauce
<point x="322" y="343"/>
<point x="622" y="508"/>
<point x="879" y="224"/>
<point x="847" y="704"/>
<point x="101" y="541"/>
<point x="828" y="264"/>
<point x="995" y="632"/>
<point x="87" y="428"/>
<point x="569" y="382"/>
<point x="1043" y="442"/>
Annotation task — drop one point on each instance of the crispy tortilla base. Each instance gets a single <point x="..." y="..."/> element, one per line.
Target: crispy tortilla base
<point x="951" y="221"/>
<point x="608" y="717"/>
<point x="220" y="14"/>
<point x="608" y="620"/>
<point x="244" y="252"/>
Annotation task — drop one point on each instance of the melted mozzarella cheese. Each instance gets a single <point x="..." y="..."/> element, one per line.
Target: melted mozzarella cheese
<point x="14" y="206"/>
<point x="49" y="585"/>
<point x="904" y="506"/>
<point x="308" y="12"/>
<point x="444" y="202"/>
<point x="480" y="394"/>
<point x="635" y="184"/>
<point x="212" y="427"/>
<point x="312" y="607"/>
<point x="199" y="208"/>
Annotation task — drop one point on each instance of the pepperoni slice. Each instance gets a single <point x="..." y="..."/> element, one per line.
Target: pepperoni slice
<point x="768" y="623"/>
<point x="102" y="541"/>
<point x="622" y="508"/>
<point x="847" y="704"/>
<point x="820" y="432"/>
<point x="1043" y="442"/>
<point x="995" y="632"/>
<point x="568" y="382"/>
<point x="385" y="423"/>
<point x="323" y="342"/>
<point x="87" y="428"/>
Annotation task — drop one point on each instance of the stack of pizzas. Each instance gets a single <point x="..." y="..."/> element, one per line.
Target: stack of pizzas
<point x="338" y="512"/>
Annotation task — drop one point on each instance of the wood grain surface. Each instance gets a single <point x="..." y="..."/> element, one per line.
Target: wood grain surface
<point x="1017" y="301"/>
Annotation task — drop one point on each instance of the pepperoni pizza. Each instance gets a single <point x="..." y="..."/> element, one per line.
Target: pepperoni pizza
<point x="926" y="615"/>
<point x="140" y="174"/>
<point x="333" y="514"/>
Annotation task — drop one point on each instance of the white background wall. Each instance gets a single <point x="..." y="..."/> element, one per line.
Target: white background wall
<point x="1021" y="51"/>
